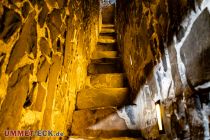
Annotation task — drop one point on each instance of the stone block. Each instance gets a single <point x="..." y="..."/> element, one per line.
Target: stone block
<point x="102" y="68"/>
<point x="41" y="96"/>
<point x="99" y="123"/>
<point x="108" y="80"/>
<point x="195" y="51"/>
<point x="44" y="46"/>
<point x="93" y="98"/>
<point x="10" y="21"/>
<point x="106" y="47"/>
<point x="54" y="23"/>
<point x="2" y="57"/>
<point x="43" y="71"/>
<point x="10" y="113"/>
<point x="43" y="14"/>
<point x="25" y="9"/>
<point x="105" y="54"/>
<point x="107" y="39"/>
<point x="52" y="86"/>
<point x="25" y="44"/>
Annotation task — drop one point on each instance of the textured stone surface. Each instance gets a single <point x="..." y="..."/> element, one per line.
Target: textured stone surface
<point x="108" y="25"/>
<point x="108" y="80"/>
<point x="25" y="9"/>
<point x="45" y="48"/>
<point x="107" y="39"/>
<point x="43" y="15"/>
<point x="105" y="54"/>
<point x="2" y="57"/>
<point x="108" y="61"/>
<point x="144" y="27"/>
<point x="93" y="98"/>
<point x="43" y="71"/>
<point x="112" y="126"/>
<point x="196" y="49"/>
<point x="54" y="23"/>
<point x="107" y="30"/>
<point x="165" y="56"/>
<point x="107" y="14"/>
<point x="174" y="71"/>
<point x="53" y="77"/>
<point x="10" y="22"/>
<point x="94" y="117"/>
<point x="41" y="97"/>
<point x="106" y="47"/>
<point x="15" y="98"/>
<point x="102" y="68"/>
<point x="25" y="44"/>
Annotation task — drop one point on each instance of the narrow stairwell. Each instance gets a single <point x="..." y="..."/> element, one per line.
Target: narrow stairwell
<point x="96" y="108"/>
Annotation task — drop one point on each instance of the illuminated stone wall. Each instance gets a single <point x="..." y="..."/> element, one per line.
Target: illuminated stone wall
<point x="45" y="47"/>
<point x="165" y="50"/>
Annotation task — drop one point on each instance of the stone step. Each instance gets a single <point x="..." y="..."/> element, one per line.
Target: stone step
<point x="106" y="39"/>
<point x="103" y="68"/>
<point x="105" y="54"/>
<point x="106" y="47"/>
<point x="116" y="60"/>
<point x="107" y="30"/>
<point x="103" y="123"/>
<point x="114" y="80"/>
<point x="107" y="25"/>
<point x="102" y="97"/>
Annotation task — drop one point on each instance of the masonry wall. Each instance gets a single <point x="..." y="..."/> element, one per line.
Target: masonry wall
<point x="45" y="47"/>
<point x="165" y="47"/>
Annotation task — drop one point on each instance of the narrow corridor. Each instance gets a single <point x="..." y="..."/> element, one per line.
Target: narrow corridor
<point x="106" y="90"/>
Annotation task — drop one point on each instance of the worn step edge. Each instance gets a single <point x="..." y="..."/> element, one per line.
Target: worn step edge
<point x="105" y="54"/>
<point x="106" y="40"/>
<point x="111" y="80"/>
<point x="106" y="60"/>
<point x="107" y="25"/>
<point x="104" y="67"/>
<point x="101" y="97"/>
<point x="107" y="30"/>
<point x="106" y="47"/>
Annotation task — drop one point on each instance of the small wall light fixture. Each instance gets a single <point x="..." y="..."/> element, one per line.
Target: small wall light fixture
<point x="159" y="117"/>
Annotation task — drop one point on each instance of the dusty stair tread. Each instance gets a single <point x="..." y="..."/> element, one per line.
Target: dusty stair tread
<point x="106" y="47"/>
<point x="105" y="54"/>
<point x="116" y="60"/>
<point x="113" y="80"/>
<point x="106" y="39"/>
<point x="101" y="97"/>
<point x="101" y="122"/>
<point x="107" y="30"/>
<point x="92" y="138"/>
<point x="102" y="68"/>
<point x="108" y="25"/>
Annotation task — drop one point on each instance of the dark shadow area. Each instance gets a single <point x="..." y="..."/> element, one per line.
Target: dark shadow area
<point x="107" y="14"/>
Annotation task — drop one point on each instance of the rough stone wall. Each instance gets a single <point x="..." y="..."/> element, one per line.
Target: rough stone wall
<point x="145" y="27"/>
<point x="165" y="50"/>
<point x="45" y="47"/>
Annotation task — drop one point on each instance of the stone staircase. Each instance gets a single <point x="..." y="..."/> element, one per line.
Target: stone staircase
<point x="106" y="91"/>
<point x="96" y="107"/>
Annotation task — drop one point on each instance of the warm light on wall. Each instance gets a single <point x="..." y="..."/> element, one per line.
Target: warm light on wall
<point x="159" y="116"/>
<point x="157" y="106"/>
